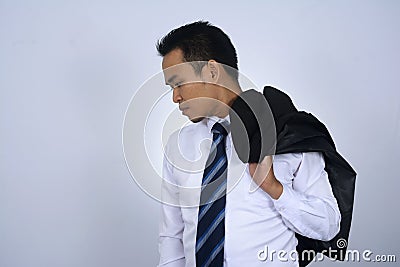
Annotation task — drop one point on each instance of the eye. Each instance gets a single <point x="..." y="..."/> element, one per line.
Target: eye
<point x="178" y="84"/>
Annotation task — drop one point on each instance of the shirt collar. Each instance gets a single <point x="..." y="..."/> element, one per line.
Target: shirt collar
<point x="210" y="121"/>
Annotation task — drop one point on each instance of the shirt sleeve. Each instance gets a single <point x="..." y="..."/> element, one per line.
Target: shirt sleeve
<point x="307" y="204"/>
<point x="171" y="224"/>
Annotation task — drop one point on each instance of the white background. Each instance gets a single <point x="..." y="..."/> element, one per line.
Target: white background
<point x="68" y="70"/>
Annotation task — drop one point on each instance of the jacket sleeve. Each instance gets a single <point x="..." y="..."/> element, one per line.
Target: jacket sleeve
<point x="307" y="204"/>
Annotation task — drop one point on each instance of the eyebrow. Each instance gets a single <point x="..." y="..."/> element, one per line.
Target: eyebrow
<point x="170" y="80"/>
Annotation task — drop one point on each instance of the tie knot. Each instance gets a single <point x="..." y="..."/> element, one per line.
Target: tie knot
<point x="218" y="128"/>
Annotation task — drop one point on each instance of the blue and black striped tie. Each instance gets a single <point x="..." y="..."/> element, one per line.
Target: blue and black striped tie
<point x="211" y="220"/>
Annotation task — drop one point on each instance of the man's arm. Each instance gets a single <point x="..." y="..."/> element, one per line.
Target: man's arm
<point x="302" y="193"/>
<point x="171" y="225"/>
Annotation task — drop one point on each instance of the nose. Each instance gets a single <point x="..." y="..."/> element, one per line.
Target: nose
<point x="176" y="95"/>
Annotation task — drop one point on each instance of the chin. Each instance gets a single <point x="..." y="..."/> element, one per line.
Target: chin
<point x="196" y="120"/>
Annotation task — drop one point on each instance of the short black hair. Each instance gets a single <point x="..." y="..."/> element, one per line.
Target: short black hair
<point x="201" y="41"/>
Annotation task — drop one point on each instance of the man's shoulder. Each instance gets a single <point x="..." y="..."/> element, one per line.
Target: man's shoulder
<point x="189" y="130"/>
<point x="187" y="136"/>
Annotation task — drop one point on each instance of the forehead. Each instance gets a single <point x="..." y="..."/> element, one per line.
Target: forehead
<point x="174" y="67"/>
<point x="173" y="58"/>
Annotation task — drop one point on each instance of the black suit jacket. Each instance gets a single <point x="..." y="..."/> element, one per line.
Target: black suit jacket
<point x="294" y="131"/>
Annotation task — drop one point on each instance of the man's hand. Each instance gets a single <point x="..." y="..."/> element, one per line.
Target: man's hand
<point x="263" y="176"/>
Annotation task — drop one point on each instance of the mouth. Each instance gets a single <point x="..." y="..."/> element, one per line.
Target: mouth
<point x="181" y="108"/>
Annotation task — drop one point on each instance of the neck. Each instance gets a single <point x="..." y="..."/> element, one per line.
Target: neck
<point x="228" y="96"/>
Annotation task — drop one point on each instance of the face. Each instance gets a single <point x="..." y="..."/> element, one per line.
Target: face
<point x="196" y="97"/>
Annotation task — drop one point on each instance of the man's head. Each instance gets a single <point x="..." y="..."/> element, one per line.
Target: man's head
<point x="201" y="41"/>
<point x="200" y="63"/>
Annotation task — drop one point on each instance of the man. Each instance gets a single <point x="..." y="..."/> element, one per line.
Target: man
<point x="231" y="225"/>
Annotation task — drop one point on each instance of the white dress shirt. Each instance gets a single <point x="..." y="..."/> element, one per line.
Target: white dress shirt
<point x="255" y="224"/>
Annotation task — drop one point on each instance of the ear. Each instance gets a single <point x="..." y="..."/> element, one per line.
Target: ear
<point x="213" y="68"/>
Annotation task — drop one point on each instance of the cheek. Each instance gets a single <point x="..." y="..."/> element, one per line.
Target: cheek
<point x="191" y="91"/>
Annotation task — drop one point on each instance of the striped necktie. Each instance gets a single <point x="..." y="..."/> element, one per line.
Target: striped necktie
<point x="211" y="217"/>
